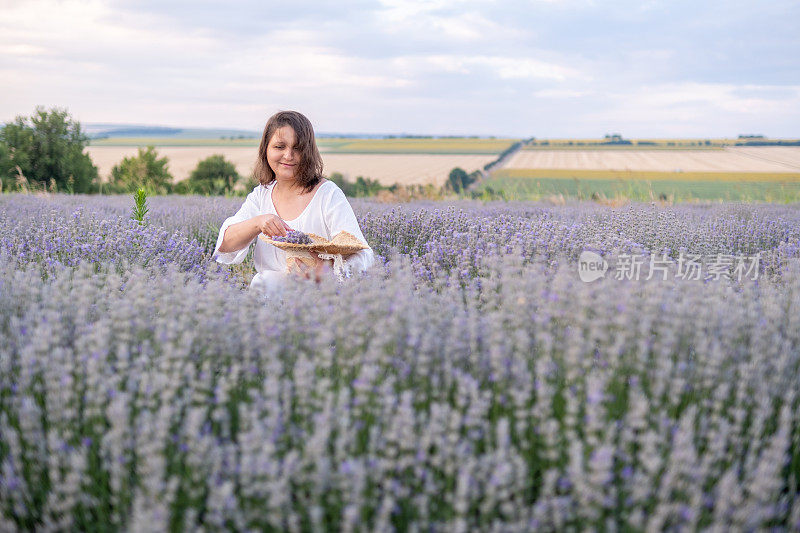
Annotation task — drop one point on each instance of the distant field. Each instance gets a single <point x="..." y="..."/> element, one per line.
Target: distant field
<point x="404" y="169"/>
<point x="646" y="175"/>
<point x="182" y="159"/>
<point x="638" y="144"/>
<point x="170" y="141"/>
<point x="786" y="155"/>
<point x="714" y="173"/>
<point x="336" y="145"/>
<point x="731" y="159"/>
<point x="416" y="146"/>
<point x="767" y="173"/>
<point x="386" y="168"/>
<point x="590" y="144"/>
<point x="532" y="184"/>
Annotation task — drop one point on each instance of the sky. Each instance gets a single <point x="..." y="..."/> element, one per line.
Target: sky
<point x="543" y="68"/>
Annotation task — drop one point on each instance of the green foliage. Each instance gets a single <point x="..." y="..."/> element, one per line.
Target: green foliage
<point x="182" y="187"/>
<point x="6" y="167"/>
<point x="519" y="188"/>
<point x="249" y="184"/>
<point x="615" y="138"/>
<point x="143" y="171"/>
<point x="140" y="208"/>
<point x="46" y="150"/>
<point x="459" y="180"/>
<point x="213" y="175"/>
<point x="488" y="194"/>
<point x="361" y="187"/>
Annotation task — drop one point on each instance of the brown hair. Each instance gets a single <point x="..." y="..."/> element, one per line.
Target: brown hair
<point x="309" y="170"/>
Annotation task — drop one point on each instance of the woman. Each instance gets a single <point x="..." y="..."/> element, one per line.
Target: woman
<point x="292" y="194"/>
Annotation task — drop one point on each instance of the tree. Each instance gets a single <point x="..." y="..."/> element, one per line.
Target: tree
<point x="367" y="186"/>
<point x="143" y="171"/>
<point x="458" y="179"/>
<point x="361" y="187"/>
<point x="47" y="148"/>
<point x="213" y="175"/>
<point x="343" y="184"/>
<point x="6" y="167"/>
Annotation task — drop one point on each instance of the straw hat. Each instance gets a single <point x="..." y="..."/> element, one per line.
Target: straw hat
<point x="343" y="243"/>
<point x="316" y="240"/>
<point x="299" y="257"/>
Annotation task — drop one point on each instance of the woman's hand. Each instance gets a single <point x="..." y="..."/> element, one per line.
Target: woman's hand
<point x="272" y="225"/>
<point x="316" y="272"/>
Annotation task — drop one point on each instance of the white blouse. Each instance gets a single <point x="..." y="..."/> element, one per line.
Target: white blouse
<point x="327" y="214"/>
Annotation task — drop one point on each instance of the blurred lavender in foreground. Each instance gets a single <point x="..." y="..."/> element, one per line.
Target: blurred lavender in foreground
<point x="469" y="381"/>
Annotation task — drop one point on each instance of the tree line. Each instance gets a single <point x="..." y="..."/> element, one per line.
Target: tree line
<point x="46" y="152"/>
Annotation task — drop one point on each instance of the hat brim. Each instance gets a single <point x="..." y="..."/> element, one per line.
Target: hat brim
<point x="343" y="243"/>
<point x="316" y="240"/>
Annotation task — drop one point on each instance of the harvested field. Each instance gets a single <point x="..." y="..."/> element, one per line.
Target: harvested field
<point x="344" y="145"/>
<point x="785" y="155"/>
<point x="732" y="159"/>
<point x="647" y="175"/>
<point x="174" y="141"/>
<point x="414" y="146"/>
<point x="404" y="169"/>
<point x="182" y="159"/>
<point x="388" y="169"/>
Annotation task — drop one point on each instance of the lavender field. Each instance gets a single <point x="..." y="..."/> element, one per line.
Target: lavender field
<point x="469" y="381"/>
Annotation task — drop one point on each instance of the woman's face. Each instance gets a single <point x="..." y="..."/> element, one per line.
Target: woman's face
<point x="282" y="153"/>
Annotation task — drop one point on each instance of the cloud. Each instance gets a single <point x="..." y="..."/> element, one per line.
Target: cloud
<point x="560" y="93"/>
<point x="89" y="32"/>
<point x="700" y="109"/>
<point x="728" y="98"/>
<point x="290" y="61"/>
<point x="504" y="68"/>
<point x="21" y="50"/>
<point x="438" y="20"/>
<point x="445" y="66"/>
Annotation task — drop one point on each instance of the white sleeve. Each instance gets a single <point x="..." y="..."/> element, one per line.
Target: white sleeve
<point x="248" y="210"/>
<point x="339" y="216"/>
